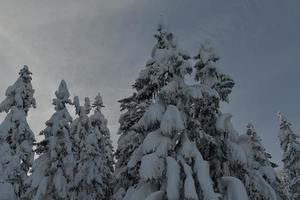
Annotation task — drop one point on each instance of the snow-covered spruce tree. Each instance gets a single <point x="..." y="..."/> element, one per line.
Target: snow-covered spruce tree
<point x="93" y="174"/>
<point x="150" y="81"/>
<point x="52" y="171"/>
<point x="169" y="164"/>
<point x="290" y="145"/>
<point x="99" y="127"/>
<point x="15" y="134"/>
<point x="262" y="181"/>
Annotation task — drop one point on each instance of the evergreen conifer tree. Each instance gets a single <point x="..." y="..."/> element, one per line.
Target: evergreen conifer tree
<point x="150" y="81"/>
<point x="16" y="136"/>
<point x="52" y="171"/>
<point x="263" y="182"/>
<point x="290" y="145"/>
<point x="168" y="163"/>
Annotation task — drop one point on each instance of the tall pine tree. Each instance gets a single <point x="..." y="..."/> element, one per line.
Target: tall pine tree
<point x="52" y="171"/>
<point x="290" y="145"/>
<point x="15" y="134"/>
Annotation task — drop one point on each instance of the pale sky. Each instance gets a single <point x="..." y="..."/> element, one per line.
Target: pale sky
<point x="101" y="45"/>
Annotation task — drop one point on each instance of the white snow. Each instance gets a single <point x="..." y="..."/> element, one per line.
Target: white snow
<point x="60" y="183"/>
<point x="159" y="195"/>
<point x="189" y="184"/>
<point x="224" y="124"/>
<point x="136" y="157"/>
<point x="151" y="117"/>
<point x="171" y="122"/>
<point x="237" y="152"/>
<point x="234" y="189"/>
<point x="156" y="142"/>
<point x="151" y="167"/>
<point x="201" y="168"/>
<point x="173" y="179"/>
<point x="186" y="150"/>
<point x="264" y="188"/>
<point x="140" y="192"/>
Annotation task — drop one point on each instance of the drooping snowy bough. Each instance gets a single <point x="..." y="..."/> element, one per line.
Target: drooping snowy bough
<point x="16" y="137"/>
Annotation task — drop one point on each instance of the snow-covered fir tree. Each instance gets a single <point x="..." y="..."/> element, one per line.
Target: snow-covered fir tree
<point x="169" y="163"/>
<point x="290" y="145"/>
<point x="99" y="127"/>
<point x="150" y="81"/>
<point x="93" y="174"/>
<point x="261" y="179"/>
<point x="52" y="171"/>
<point x="16" y="137"/>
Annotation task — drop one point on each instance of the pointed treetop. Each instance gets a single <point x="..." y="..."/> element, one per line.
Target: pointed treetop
<point x="164" y="37"/>
<point x="281" y="117"/>
<point x="250" y="129"/>
<point x="62" y="92"/>
<point x="25" y="73"/>
<point x="20" y="94"/>
<point x="283" y="123"/>
<point x="98" y="103"/>
<point x="62" y="96"/>
<point x="161" y="24"/>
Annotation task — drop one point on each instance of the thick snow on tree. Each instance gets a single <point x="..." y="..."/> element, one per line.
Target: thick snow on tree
<point x="168" y="163"/>
<point x="52" y="171"/>
<point x="20" y="94"/>
<point x="234" y="189"/>
<point x="15" y="133"/>
<point x="290" y="145"/>
<point x="150" y="81"/>
<point x="93" y="174"/>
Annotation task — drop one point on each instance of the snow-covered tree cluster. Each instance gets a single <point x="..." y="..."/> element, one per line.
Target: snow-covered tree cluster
<point x="74" y="159"/>
<point x="174" y="141"/>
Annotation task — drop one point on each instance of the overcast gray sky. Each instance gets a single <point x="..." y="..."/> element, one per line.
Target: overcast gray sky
<point x="101" y="45"/>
